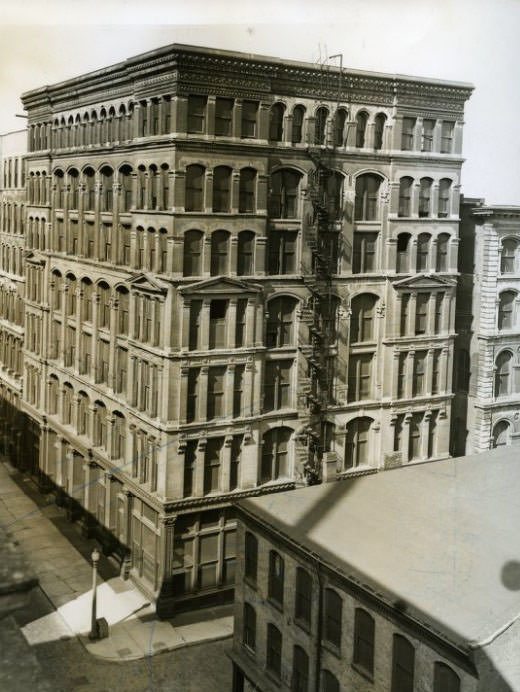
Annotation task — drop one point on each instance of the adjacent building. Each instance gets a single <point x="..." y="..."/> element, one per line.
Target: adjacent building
<point x="381" y="583"/>
<point x="487" y="402"/>
<point x="240" y="278"/>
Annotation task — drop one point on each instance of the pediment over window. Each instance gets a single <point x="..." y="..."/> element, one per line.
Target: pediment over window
<point x="148" y="284"/>
<point x="34" y="257"/>
<point x="423" y="281"/>
<point x="220" y="284"/>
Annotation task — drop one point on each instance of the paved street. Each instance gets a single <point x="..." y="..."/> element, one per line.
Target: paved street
<point x="69" y="667"/>
<point x="141" y="653"/>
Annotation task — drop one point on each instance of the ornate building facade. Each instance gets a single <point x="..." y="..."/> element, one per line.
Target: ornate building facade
<point x="240" y="278"/>
<point x="17" y="435"/>
<point x="487" y="403"/>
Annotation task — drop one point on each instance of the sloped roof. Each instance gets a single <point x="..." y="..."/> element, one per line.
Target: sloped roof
<point x="444" y="537"/>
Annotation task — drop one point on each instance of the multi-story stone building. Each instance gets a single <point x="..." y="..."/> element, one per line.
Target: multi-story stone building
<point x="487" y="403"/>
<point x="236" y="266"/>
<point x="335" y="594"/>
<point x="15" y="431"/>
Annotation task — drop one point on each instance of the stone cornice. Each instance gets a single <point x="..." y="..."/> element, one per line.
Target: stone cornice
<point x="177" y="69"/>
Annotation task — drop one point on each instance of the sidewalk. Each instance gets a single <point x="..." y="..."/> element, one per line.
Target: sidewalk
<point x="66" y="579"/>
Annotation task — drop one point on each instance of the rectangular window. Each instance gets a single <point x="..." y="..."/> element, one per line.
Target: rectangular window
<point x="121" y="370"/>
<point x="249" y="118"/>
<point x="427" y="135"/>
<point x="190" y="457"/>
<point x="414" y="445"/>
<point x="240" y="327"/>
<point x="419" y="373"/>
<point x="223" y="117"/>
<point x="407" y="136"/>
<point x="236" y="456"/>
<point x="436" y="372"/>
<point x="401" y="374"/>
<point x="398" y="433"/>
<point x="439" y="302"/>
<point x="421" y="313"/>
<point x="217" y="323"/>
<point x="216" y="383"/>
<point x="364" y="255"/>
<point x="193" y="381"/>
<point x="277" y="384"/>
<point x="447" y="137"/>
<point x="212" y="459"/>
<point x="276" y="577"/>
<point x="197" y="114"/>
<point x="364" y="627"/>
<point x="102" y="373"/>
<point x="195" y="315"/>
<point x="282" y="252"/>
<point x="405" y="307"/>
<point x="274" y="650"/>
<point x="303" y="597"/>
<point x="360" y="376"/>
<point x="86" y="355"/>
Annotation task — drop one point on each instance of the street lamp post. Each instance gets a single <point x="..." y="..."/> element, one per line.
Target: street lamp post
<point x="94" y="634"/>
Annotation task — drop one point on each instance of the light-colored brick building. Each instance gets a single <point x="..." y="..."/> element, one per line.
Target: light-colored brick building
<point x="402" y="582"/>
<point x="240" y="278"/>
<point x="487" y="402"/>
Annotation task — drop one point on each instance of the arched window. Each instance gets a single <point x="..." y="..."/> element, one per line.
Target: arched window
<point x="361" y="127"/>
<point x="245" y="253"/>
<point x="74" y="188"/>
<point x="379" y="130"/>
<point x="249" y="633"/>
<point x="247" y="188"/>
<point x="339" y="127"/>
<point x="297" y="124"/>
<point x="503" y="373"/>
<point x="53" y="394"/>
<point x="275" y="454"/>
<point x="506" y="310"/>
<point x="332" y="617"/>
<point x="445" y="679"/>
<point x="403" y="252"/>
<point x="364" y="634"/>
<point x="107" y="182"/>
<point x="86" y="312"/>
<point x="405" y="196"/>
<point x="444" y="198"/>
<point x="90" y="189"/>
<point x="408" y="134"/>
<point x="125" y="177"/>
<point x="357" y="442"/>
<point x="423" y="251"/>
<point x="221" y="189"/>
<point x="367" y="196"/>
<point x="443" y="244"/>
<point x="274" y="650"/>
<point x="276" y="122"/>
<point x="362" y="320"/>
<point x="83" y="413"/>
<point x="56" y="289"/>
<point x="284" y="194"/>
<point x="403" y="664"/>
<point x="329" y="683"/>
<point x="425" y="195"/>
<point x="68" y="395"/>
<point x="100" y="424"/>
<point x="119" y="436"/>
<point x="194" y="200"/>
<point x="303" y="596"/>
<point x="192" y="261"/>
<point x="320" y="127"/>
<point x="300" y="672"/>
<point x="219" y="253"/>
<point x="123" y="299"/>
<point x="104" y="305"/>
<point x="502" y="434"/>
<point x="71" y="294"/>
<point x="275" y="585"/>
<point x="59" y="183"/>
<point x="508" y="257"/>
<point x="280" y="322"/>
<point x="154" y="187"/>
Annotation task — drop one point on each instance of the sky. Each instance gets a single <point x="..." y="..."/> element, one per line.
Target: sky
<point x="476" y="41"/>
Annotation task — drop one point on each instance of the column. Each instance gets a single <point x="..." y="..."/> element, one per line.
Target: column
<point x="179" y="191"/>
<point x="417" y="135"/>
<point x="231" y="325"/>
<point x="90" y="471"/>
<point x="250" y="323"/>
<point x="429" y="371"/>
<point x="431" y="313"/>
<point x="397" y="132"/>
<point x="126" y="537"/>
<point x="202" y="391"/>
<point x="229" y="392"/>
<point x="183" y="394"/>
<point x="131" y="383"/>
<point x="167" y="526"/>
<point x="425" y="432"/>
<point x="204" y="324"/>
<point x="198" y="485"/>
<point x="262" y="186"/>
<point x="260" y="255"/>
<point x="206" y="255"/>
<point x="416" y="188"/>
<point x="114" y="307"/>
<point x="93" y="362"/>
<point x="436" y="144"/>
<point x="263" y="121"/>
<point x="235" y="202"/>
<point x="225" y="474"/>
<point x="409" y="368"/>
<point x="110" y="422"/>
<point x="412" y="309"/>
<point x="210" y="116"/>
<point x="445" y="371"/>
<point x="406" y="437"/>
<point x="236" y="130"/>
<point x="208" y="192"/>
<point x="395" y="374"/>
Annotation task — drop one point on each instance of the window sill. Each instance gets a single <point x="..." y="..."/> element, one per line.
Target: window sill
<point x="363" y="672"/>
<point x="303" y="625"/>
<point x="331" y="648"/>
<point x="275" y="604"/>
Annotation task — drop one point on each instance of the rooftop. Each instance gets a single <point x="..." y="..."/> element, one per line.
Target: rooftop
<point x="442" y="537"/>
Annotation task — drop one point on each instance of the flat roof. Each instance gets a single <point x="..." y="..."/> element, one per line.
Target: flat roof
<point x="443" y="537"/>
<point x="250" y="57"/>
